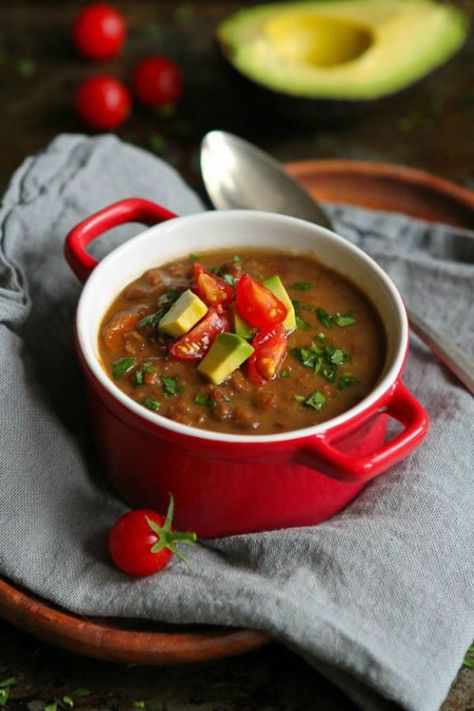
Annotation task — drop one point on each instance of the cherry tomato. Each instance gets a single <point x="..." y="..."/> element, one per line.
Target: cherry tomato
<point x="103" y="103"/>
<point x="257" y="305"/>
<point x="194" y="344"/>
<point x="157" y="82"/>
<point x="99" y="32"/>
<point x="270" y="352"/>
<point x="142" y="542"/>
<point x="213" y="290"/>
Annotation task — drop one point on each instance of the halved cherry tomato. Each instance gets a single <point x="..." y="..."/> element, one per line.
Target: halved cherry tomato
<point x="142" y="542"/>
<point x="257" y="305"/>
<point x="213" y="290"/>
<point x="194" y="344"/>
<point x="270" y="352"/>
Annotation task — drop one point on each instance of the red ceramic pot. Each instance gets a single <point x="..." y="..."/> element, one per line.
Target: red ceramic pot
<point x="227" y="483"/>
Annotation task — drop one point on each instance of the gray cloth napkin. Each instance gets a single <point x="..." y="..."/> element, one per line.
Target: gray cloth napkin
<point x="380" y="598"/>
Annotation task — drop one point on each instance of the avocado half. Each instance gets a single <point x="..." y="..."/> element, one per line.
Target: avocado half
<point x="349" y="52"/>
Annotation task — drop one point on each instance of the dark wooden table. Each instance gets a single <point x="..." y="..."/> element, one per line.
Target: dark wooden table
<point x="429" y="127"/>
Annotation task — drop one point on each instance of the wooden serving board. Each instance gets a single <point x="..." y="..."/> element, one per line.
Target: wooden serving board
<point x="372" y="185"/>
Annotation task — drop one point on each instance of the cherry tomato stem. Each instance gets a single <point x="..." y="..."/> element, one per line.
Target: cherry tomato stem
<point x="142" y="542"/>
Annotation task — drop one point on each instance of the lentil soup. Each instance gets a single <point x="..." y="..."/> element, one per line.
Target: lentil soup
<point x="322" y="352"/>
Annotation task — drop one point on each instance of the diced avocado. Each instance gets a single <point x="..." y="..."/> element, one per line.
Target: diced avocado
<point x="183" y="315"/>
<point x="241" y="327"/>
<point x="349" y="49"/>
<point x="225" y="355"/>
<point x="275" y="285"/>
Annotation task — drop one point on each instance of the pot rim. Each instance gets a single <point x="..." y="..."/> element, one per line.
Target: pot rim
<point x="375" y="395"/>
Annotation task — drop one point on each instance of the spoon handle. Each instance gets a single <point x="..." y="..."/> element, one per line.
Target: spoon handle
<point x="453" y="357"/>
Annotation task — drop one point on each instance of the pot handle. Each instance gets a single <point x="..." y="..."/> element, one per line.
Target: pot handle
<point x="129" y="210"/>
<point x="320" y="454"/>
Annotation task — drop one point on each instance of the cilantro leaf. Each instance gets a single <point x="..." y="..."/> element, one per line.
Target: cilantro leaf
<point x="236" y="259"/>
<point x="344" y="320"/>
<point x="301" y="286"/>
<point x="151" y="404"/>
<point x="204" y="401"/>
<point x="346" y="380"/>
<point x="316" y="400"/>
<point x="171" y="386"/>
<point x="122" y="366"/>
<point x="324" y="317"/>
<point x="301" y="323"/>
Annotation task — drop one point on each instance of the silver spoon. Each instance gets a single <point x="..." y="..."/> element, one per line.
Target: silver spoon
<point x="239" y="175"/>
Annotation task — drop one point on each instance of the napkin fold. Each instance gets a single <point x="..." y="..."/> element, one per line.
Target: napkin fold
<point x="380" y="598"/>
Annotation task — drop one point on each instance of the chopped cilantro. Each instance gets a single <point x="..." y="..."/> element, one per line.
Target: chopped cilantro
<point x="316" y="400"/>
<point x="138" y="704"/>
<point x="229" y="279"/>
<point x="67" y="701"/>
<point x="5" y="686"/>
<point x="236" y="259"/>
<point x="204" y="401"/>
<point x="53" y="706"/>
<point x="81" y="693"/>
<point x="301" y="323"/>
<point x="26" y="67"/>
<point x="307" y="307"/>
<point x="324" y="317"/>
<point x="301" y="286"/>
<point x="343" y="320"/>
<point x="194" y="258"/>
<point x="169" y="297"/>
<point x="322" y="357"/>
<point x="122" y="366"/>
<point x="329" y="373"/>
<point x="213" y="270"/>
<point x="285" y="373"/>
<point x="346" y="380"/>
<point x="171" y="386"/>
<point x="138" y="377"/>
<point x="151" y="404"/>
<point x="157" y="142"/>
<point x="152" y="320"/>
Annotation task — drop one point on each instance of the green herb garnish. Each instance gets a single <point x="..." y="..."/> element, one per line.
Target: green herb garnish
<point x="157" y="142"/>
<point x="138" y="377"/>
<point x="229" y="279"/>
<point x="81" y="693"/>
<point x="26" y="67"/>
<point x="194" y="258"/>
<point x="152" y="404"/>
<point x="468" y="661"/>
<point x="67" y="701"/>
<point x="138" y="704"/>
<point x="344" y="320"/>
<point x="346" y="380"/>
<point x="341" y="320"/>
<point x="307" y="307"/>
<point x="301" y="286"/>
<point x="316" y="400"/>
<point x="324" y="317"/>
<point x="285" y="373"/>
<point x="236" y="259"/>
<point x="204" y="401"/>
<point x="152" y="320"/>
<point x="301" y="323"/>
<point x="169" y="297"/>
<point x="322" y="357"/>
<point x="171" y="386"/>
<point x="122" y="366"/>
<point x="5" y="686"/>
